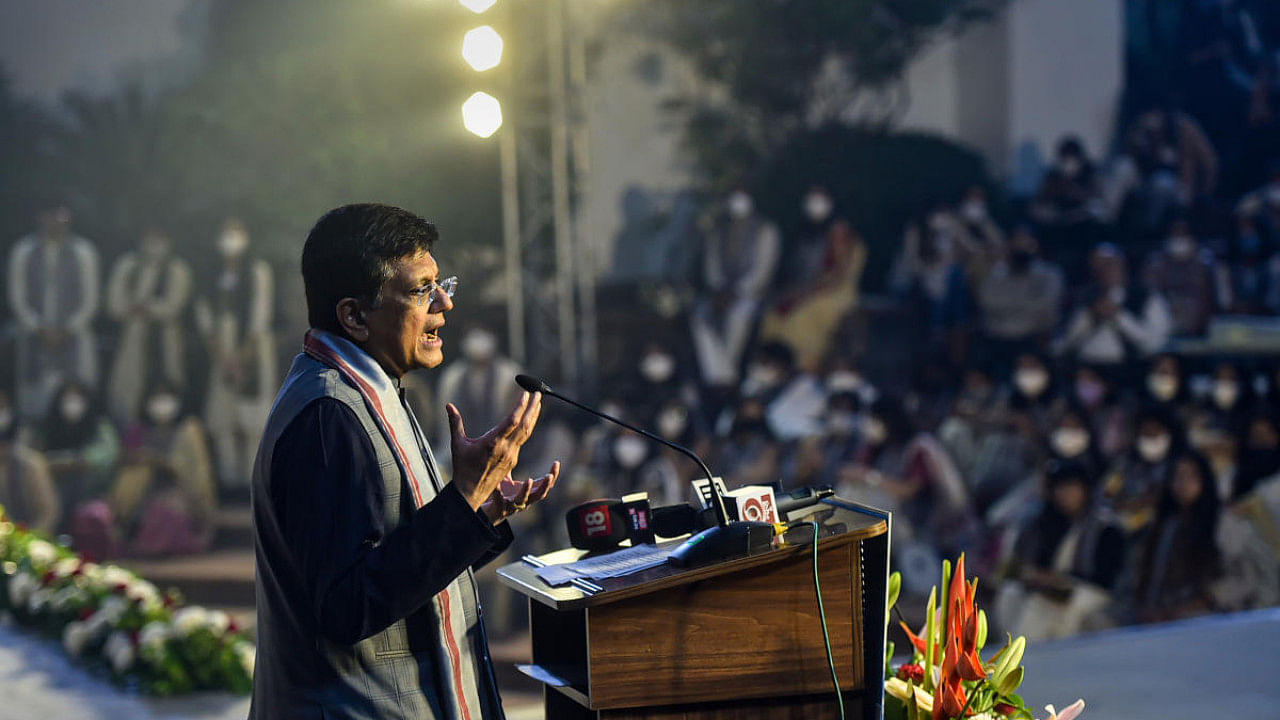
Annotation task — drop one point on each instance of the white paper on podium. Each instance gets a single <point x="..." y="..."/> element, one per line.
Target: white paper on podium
<point x="615" y="564"/>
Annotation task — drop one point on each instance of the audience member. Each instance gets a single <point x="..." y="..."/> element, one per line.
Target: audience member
<point x="53" y="291"/>
<point x="1180" y="560"/>
<point x="26" y="487"/>
<point x="1066" y="563"/>
<point x="147" y="295"/>
<point x="1020" y="301"/>
<point x="1186" y="276"/>
<point x="479" y="382"/>
<point x="234" y="320"/>
<point x="81" y="444"/>
<point x="1117" y="323"/>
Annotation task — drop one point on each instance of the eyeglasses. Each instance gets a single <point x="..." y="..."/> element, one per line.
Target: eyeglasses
<point x="426" y="295"/>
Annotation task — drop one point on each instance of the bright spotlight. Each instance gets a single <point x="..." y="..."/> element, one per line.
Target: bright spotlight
<point x="482" y="48"/>
<point x="477" y="6"/>
<point x="482" y="114"/>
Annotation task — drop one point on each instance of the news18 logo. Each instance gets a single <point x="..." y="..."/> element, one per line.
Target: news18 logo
<point x="596" y="522"/>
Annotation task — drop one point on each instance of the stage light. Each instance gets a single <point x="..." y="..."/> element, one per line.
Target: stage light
<point x="482" y="114"/>
<point x="482" y="48"/>
<point x="477" y="6"/>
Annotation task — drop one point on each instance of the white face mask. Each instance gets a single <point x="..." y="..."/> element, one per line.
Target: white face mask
<point x="843" y="381"/>
<point x="740" y="205"/>
<point x="233" y="243"/>
<point x="1031" y="381"/>
<point x="74" y="406"/>
<point x="611" y="409"/>
<point x="761" y="377"/>
<point x="657" y="367"/>
<point x="629" y="451"/>
<point x="1069" y="442"/>
<point x="1153" y="449"/>
<point x="1225" y="393"/>
<point x="841" y="422"/>
<point x="975" y="211"/>
<point x="1163" y="386"/>
<point x="163" y="409"/>
<point x="479" y="345"/>
<point x="1181" y="246"/>
<point x="672" y="422"/>
<point x="1069" y="165"/>
<point x="817" y="207"/>
<point x="874" y="430"/>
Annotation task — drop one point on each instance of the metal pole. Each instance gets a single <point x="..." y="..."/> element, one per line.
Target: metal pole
<point x="511" y="240"/>
<point x="560" y="192"/>
<point x="579" y="146"/>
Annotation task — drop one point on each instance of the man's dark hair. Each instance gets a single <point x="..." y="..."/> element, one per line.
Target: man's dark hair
<point x="350" y="253"/>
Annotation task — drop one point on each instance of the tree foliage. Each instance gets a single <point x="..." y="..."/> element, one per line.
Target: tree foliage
<point x="773" y="69"/>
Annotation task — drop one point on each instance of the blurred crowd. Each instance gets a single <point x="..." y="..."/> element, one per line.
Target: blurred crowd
<point x="106" y="432"/>
<point x="1056" y="403"/>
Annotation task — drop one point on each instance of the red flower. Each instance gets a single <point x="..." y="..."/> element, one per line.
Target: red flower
<point x="48" y="577"/>
<point x="1004" y="708"/>
<point x="86" y="612"/>
<point x="233" y="626"/>
<point x="911" y="671"/>
<point x="120" y="589"/>
<point x="79" y="569"/>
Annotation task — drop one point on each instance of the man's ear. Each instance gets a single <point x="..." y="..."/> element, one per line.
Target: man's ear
<point x="351" y="319"/>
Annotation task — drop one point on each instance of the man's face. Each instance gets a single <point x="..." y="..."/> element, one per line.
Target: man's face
<point x="402" y="335"/>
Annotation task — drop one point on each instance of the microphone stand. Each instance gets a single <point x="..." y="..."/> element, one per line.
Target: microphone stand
<point x="727" y="539"/>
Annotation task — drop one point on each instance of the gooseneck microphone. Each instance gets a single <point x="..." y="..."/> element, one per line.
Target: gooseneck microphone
<point x="725" y="540"/>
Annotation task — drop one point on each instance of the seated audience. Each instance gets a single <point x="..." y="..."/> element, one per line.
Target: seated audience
<point x="26" y="488"/>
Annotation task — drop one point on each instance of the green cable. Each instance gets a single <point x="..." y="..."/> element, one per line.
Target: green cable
<point x="822" y="613"/>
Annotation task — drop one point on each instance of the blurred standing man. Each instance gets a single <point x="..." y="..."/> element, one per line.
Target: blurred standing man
<point x="147" y="293"/>
<point x="53" y="290"/>
<point x="479" y="383"/>
<point x="365" y="594"/>
<point x="236" y="325"/>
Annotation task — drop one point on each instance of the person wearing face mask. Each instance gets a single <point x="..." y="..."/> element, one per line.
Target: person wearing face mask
<point x="164" y="496"/>
<point x="749" y="454"/>
<point x="1259" y="460"/>
<point x="928" y="275"/>
<point x="739" y="262"/>
<point x="1065" y="564"/>
<point x="1132" y="485"/>
<point x="807" y="318"/>
<point x="479" y="382"/>
<point x="1228" y="400"/>
<point x="1117" y="322"/>
<point x="986" y="238"/>
<point x="1020" y="301"/>
<point x="658" y="380"/>
<point x="54" y="294"/>
<point x="26" y="486"/>
<point x="911" y="474"/>
<point x="1186" y="276"/>
<point x="1249" y="281"/>
<point x="1071" y="439"/>
<point x="81" y="444"/>
<point x="147" y="294"/>
<point x="802" y="257"/>
<point x="793" y="399"/>
<point x="234" y="319"/>
<point x="1164" y="385"/>
<point x="1180" y="560"/>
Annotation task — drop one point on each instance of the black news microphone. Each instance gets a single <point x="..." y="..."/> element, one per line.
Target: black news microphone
<point x="726" y="539"/>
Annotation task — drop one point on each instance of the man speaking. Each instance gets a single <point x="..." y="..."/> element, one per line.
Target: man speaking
<point x="366" y="601"/>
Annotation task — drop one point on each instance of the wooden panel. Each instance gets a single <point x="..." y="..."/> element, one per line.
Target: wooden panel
<point x="808" y="707"/>
<point x="752" y="634"/>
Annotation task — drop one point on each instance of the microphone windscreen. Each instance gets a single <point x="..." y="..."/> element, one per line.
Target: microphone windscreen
<point x="597" y="524"/>
<point x="531" y="383"/>
<point x="674" y="520"/>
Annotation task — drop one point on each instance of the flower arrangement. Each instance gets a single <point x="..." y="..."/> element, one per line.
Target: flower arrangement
<point x="947" y="678"/>
<point x="115" y="622"/>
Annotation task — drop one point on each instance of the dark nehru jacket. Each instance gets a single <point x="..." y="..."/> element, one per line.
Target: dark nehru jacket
<point x="347" y="568"/>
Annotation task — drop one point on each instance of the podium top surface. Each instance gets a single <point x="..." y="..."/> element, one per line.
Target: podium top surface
<point x="839" y="521"/>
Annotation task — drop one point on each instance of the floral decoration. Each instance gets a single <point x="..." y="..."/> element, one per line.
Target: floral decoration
<point x="946" y="678"/>
<point x="116" y="623"/>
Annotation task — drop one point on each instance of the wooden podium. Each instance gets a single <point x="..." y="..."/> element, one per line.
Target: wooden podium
<point x="738" y="639"/>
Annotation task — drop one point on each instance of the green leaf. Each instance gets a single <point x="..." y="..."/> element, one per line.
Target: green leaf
<point x="1011" y="681"/>
<point x="929" y="640"/>
<point x="895" y="589"/>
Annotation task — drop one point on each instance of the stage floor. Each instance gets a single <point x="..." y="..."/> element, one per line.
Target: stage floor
<point x="1217" y="667"/>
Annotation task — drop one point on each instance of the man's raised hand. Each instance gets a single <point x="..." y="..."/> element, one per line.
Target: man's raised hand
<point x="480" y="464"/>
